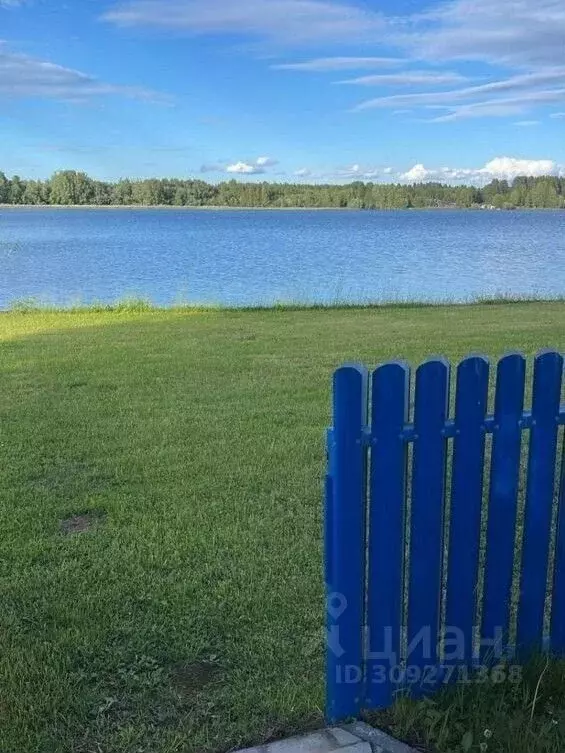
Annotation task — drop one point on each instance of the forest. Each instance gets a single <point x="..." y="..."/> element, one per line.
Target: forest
<point x="69" y="187"/>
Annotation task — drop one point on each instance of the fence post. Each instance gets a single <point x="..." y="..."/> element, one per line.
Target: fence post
<point x="345" y="544"/>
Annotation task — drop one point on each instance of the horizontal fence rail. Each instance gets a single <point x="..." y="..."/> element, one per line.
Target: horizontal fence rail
<point x="444" y="531"/>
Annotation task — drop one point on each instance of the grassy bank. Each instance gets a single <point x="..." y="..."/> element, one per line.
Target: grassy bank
<point x="137" y="305"/>
<point x="160" y="495"/>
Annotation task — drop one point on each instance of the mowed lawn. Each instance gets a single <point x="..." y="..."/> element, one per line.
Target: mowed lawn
<point x="188" y="614"/>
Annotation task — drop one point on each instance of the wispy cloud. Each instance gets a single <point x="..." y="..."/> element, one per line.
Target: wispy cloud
<point x="357" y="172"/>
<point x="527" y="83"/>
<point x="557" y="115"/>
<point x="212" y="167"/>
<point x="266" y="162"/>
<point x="408" y="78"/>
<point x="527" y="123"/>
<point x="25" y="76"/>
<point x="500" y="108"/>
<point x="518" y="33"/>
<point x="288" y="21"/>
<point x="329" y="65"/>
<point x="523" y="38"/>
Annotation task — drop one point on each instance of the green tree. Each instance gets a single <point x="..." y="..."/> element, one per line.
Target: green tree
<point x="16" y="190"/>
<point x="71" y="187"/>
<point x="4" y="189"/>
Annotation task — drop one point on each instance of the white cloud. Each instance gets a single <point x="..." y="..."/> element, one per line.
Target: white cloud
<point x="289" y="21"/>
<point x="557" y="115"/>
<point x="526" y="123"/>
<point x="242" y="167"/>
<point x="388" y="170"/>
<point x="325" y="65"/>
<point x="417" y="174"/>
<point x="408" y="78"/>
<point x="245" y="168"/>
<point x="506" y="168"/>
<point x="25" y="76"/>
<point x="303" y="173"/>
<point x="510" y="167"/>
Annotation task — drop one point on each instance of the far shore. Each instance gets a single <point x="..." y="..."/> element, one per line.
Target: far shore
<point x="169" y="207"/>
<point x="196" y="206"/>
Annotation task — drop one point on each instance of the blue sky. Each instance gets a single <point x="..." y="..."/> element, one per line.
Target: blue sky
<point x="306" y="90"/>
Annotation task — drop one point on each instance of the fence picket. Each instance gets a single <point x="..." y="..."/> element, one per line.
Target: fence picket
<point x="548" y="368"/>
<point x="390" y="394"/>
<point x="557" y="629"/>
<point x="501" y="526"/>
<point x="345" y="560"/>
<point x="466" y="501"/>
<point x="426" y="526"/>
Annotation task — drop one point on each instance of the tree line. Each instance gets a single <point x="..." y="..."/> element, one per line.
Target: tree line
<point x="69" y="187"/>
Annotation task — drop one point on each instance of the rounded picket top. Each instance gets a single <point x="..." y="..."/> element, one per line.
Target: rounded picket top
<point x="472" y="388"/>
<point x="390" y="395"/>
<point x="511" y="357"/>
<point x="510" y="384"/>
<point x="476" y="361"/>
<point x="350" y="396"/>
<point x="351" y="376"/>
<point x="550" y="362"/>
<point x="438" y="362"/>
<point x="432" y="379"/>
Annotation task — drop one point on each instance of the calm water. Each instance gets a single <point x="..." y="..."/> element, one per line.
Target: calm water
<point x="248" y="257"/>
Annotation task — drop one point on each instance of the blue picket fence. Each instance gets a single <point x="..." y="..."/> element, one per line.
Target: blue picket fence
<point x="438" y="555"/>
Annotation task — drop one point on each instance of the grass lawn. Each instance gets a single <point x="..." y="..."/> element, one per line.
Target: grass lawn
<point x="160" y="523"/>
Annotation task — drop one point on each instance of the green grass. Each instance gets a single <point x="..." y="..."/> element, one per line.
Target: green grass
<point x="523" y="714"/>
<point x="135" y="304"/>
<point x="188" y="617"/>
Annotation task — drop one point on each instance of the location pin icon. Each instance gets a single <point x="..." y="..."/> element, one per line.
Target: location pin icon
<point x="337" y="604"/>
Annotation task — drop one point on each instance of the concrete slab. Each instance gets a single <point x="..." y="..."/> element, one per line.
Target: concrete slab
<point x="351" y="738"/>
<point x="380" y="742"/>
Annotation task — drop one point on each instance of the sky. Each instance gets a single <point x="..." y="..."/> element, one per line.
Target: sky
<point x="283" y="90"/>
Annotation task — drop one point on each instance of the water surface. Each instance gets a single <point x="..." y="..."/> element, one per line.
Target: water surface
<point x="260" y="256"/>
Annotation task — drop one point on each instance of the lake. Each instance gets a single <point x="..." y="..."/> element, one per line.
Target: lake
<point x="242" y="257"/>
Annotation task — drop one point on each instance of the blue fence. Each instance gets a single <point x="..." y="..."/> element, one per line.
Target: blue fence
<point x="441" y="558"/>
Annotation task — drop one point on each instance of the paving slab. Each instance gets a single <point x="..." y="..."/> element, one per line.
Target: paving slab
<point x="350" y="738"/>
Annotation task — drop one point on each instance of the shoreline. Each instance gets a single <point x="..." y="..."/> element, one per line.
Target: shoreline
<point x="142" y="306"/>
<point x="207" y="208"/>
